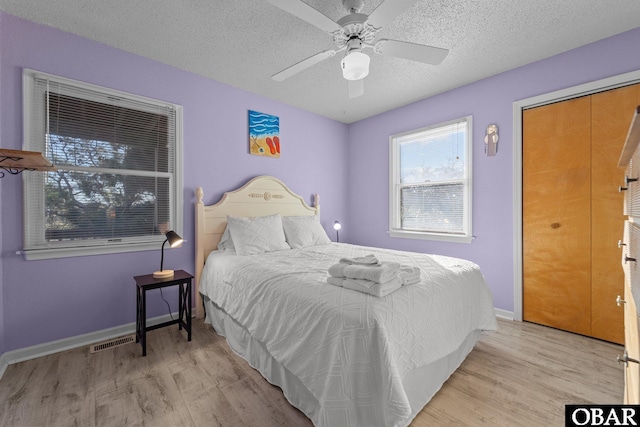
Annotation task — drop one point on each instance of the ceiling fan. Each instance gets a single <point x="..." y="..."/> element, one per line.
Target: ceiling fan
<point x="352" y="34"/>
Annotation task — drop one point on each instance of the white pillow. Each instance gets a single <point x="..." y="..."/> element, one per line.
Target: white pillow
<point x="303" y="231"/>
<point x="226" y="243"/>
<point x="257" y="235"/>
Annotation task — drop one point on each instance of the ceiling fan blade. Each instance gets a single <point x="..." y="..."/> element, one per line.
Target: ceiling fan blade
<point x="415" y="52"/>
<point x="356" y="88"/>
<point x="387" y="11"/>
<point x="303" y="65"/>
<point x="307" y="13"/>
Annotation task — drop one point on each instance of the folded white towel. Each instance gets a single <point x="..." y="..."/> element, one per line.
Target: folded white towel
<point x="363" y="260"/>
<point x="337" y="270"/>
<point x="367" y="286"/>
<point x="380" y="273"/>
<point x="409" y="275"/>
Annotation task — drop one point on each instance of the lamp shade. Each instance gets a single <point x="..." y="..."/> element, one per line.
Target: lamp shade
<point x="355" y="66"/>
<point x="174" y="240"/>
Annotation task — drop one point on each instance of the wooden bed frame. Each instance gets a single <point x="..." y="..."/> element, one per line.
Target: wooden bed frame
<point x="263" y="195"/>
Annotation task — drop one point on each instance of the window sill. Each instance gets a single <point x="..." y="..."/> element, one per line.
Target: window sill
<point x="62" y="252"/>
<point x="430" y="236"/>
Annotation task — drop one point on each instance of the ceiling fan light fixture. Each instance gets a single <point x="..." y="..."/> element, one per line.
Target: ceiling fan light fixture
<point x="355" y="66"/>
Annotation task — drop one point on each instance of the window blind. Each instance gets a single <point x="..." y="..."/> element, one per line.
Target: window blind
<point x="116" y="161"/>
<point x="433" y="208"/>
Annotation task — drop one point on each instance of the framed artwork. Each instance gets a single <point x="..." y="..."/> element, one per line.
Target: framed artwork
<point x="264" y="134"/>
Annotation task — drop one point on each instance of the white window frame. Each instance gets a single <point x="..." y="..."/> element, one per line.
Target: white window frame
<point x="395" y="187"/>
<point x="34" y="182"/>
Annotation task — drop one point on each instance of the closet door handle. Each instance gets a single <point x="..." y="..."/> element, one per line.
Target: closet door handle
<point x="626" y="359"/>
<point x="627" y="180"/>
<point x="626" y="258"/>
<point x="620" y="301"/>
<point x="620" y="244"/>
<point x="621" y="189"/>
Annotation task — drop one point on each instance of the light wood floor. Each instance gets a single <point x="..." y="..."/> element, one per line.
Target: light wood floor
<point x="523" y="374"/>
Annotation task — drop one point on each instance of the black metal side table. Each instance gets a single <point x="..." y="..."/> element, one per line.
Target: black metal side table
<point x="148" y="282"/>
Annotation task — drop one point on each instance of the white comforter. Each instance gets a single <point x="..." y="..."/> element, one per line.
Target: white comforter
<point x="351" y="350"/>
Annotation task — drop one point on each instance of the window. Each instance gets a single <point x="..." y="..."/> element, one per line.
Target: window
<point x="430" y="182"/>
<point x="118" y="187"/>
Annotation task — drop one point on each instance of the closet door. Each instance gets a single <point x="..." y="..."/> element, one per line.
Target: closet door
<point x="611" y="114"/>
<point x="556" y="215"/>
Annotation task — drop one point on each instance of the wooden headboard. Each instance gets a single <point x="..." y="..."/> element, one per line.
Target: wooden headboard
<point x="263" y="195"/>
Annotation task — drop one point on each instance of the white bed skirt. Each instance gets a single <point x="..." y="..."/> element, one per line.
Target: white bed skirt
<point x="421" y="384"/>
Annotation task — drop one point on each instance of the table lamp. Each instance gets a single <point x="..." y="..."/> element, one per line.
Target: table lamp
<point x="337" y="226"/>
<point x="174" y="240"/>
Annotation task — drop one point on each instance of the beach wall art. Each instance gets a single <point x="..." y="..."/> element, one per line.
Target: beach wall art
<point x="264" y="134"/>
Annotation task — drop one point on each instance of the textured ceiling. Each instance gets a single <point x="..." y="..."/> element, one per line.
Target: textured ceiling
<point x="243" y="42"/>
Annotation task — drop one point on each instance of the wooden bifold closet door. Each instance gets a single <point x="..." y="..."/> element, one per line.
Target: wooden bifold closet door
<point x="572" y="212"/>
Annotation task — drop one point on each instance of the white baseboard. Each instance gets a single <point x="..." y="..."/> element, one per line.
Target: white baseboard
<point x="4" y="362"/>
<point x="504" y="314"/>
<point x="28" y="353"/>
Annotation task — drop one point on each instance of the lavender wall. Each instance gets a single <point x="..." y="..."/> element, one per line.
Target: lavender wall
<point x="489" y="101"/>
<point x="2" y="308"/>
<point x="53" y="299"/>
<point x="2" y="303"/>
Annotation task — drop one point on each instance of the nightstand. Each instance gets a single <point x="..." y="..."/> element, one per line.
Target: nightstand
<point x="146" y="283"/>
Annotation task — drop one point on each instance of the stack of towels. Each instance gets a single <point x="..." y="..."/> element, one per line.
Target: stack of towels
<point x="367" y="274"/>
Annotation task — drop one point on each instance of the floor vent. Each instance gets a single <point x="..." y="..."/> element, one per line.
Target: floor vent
<point x="94" y="348"/>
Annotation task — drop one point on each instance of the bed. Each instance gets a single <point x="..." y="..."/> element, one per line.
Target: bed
<point x="344" y="358"/>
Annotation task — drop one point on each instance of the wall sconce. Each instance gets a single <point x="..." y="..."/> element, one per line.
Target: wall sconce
<point x="491" y="141"/>
<point x="337" y="226"/>
<point x="174" y="240"/>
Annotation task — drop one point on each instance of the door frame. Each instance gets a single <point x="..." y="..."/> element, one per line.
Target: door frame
<point x="590" y="88"/>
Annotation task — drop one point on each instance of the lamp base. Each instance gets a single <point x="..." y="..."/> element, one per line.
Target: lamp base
<point x="163" y="274"/>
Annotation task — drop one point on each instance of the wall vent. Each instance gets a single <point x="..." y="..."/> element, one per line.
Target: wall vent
<point x="116" y="342"/>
